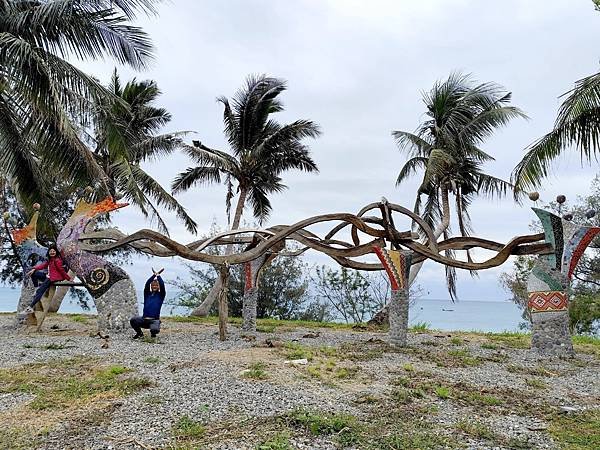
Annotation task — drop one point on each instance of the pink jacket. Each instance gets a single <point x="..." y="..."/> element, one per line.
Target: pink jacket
<point x="56" y="271"/>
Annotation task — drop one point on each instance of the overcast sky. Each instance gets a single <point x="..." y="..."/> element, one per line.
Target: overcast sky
<point x="358" y="69"/>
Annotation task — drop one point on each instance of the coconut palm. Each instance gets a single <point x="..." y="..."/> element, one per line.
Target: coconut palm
<point x="577" y="126"/>
<point x="261" y="150"/>
<point x="125" y="136"/>
<point x="446" y="147"/>
<point x="41" y="93"/>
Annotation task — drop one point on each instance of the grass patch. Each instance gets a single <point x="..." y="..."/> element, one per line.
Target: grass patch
<point x="577" y="431"/>
<point x="489" y="346"/>
<point x="79" y="318"/>
<point x="456" y="341"/>
<point x="188" y="429"/>
<point x="442" y="392"/>
<point x="67" y="383"/>
<point x="257" y="371"/>
<point x="539" y="371"/>
<point x="476" y="430"/>
<point x="281" y="441"/>
<point x="587" y="344"/>
<point x="459" y="358"/>
<point x="408" y="367"/>
<point x="152" y="360"/>
<point x="420" y="326"/>
<point x="56" y="346"/>
<point x="293" y="350"/>
<point x="411" y="439"/>
<point x="344" y="426"/>
<point x="153" y="399"/>
<point x="512" y="340"/>
<point x="535" y="383"/>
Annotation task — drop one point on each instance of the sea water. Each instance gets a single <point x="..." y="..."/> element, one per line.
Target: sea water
<point x="491" y="316"/>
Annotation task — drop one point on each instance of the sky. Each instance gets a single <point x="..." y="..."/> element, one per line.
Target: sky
<point x="359" y="69"/>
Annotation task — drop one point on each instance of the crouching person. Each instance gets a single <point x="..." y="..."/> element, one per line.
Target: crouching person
<point x="154" y="295"/>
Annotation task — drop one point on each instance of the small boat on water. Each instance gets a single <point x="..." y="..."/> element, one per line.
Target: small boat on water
<point x="447" y="309"/>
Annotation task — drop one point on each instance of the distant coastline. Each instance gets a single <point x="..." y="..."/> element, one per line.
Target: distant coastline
<point x="440" y="314"/>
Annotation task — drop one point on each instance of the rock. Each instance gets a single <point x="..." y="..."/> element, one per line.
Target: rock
<point x="297" y="362"/>
<point x="311" y="335"/>
<point x="273" y="343"/>
<point x="568" y="409"/>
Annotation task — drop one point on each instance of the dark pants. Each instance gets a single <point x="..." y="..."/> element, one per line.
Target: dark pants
<point x="139" y="322"/>
<point x="38" y="277"/>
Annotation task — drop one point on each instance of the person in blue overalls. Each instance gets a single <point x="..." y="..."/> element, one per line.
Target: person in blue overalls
<point x="154" y="295"/>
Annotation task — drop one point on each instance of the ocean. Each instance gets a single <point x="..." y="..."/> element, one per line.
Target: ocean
<point x="488" y="316"/>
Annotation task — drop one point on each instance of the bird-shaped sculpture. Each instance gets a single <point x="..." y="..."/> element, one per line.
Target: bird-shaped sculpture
<point x="30" y="253"/>
<point x="109" y="285"/>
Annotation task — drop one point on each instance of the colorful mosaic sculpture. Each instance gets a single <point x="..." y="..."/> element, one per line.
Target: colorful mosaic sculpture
<point x="30" y="253"/>
<point x="397" y="265"/>
<point x="109" y="285"/>
<point x="29" y="250"/>
<point x="548" y="283"/>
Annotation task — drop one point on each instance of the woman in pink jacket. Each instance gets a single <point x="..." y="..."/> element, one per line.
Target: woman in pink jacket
<point x="56" y="273"/>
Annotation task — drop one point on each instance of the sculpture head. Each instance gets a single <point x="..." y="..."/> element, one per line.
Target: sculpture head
<point x="568" y="239"/>
<point x="91" y="210"/>
<point x="84" y="212"/>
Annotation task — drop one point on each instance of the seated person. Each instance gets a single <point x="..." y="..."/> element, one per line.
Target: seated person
<point x="56" y="272"/>
<point x="154" y="295"/>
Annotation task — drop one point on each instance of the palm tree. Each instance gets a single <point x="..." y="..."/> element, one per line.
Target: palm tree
<point x="446" y="147"/>
<point x="261" y="151"/>
<point x="41" y="93"/>
<point x="125" y="136"/>
<point x="577" y="126"/>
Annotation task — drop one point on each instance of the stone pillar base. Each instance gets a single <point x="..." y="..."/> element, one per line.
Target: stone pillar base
<point x="116" y="306"/>
<point x="398" y="316"/>
<point x="550" y="334"/>
<point x="250" y="301"/>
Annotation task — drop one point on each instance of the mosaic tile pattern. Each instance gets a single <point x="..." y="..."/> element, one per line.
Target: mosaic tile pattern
<point x="109" y="285"/>
<point x="396" y="264"/>
<point x="548" y="301"/>
<point x="30" y="251"/>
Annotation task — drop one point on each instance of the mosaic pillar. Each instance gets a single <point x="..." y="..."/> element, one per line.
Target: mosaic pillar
<point x="252" y="271"/>
<point x="548" y="284"/>
<point x="397" y="265"/>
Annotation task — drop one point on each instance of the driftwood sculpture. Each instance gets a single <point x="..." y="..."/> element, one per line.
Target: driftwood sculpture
<point x="407" y="248"/>
<point x="560" y="247"/>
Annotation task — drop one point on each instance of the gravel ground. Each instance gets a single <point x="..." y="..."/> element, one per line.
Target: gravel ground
<point x="196" y="375"/>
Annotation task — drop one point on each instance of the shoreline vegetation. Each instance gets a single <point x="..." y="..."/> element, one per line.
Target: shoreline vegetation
<point x="291" y="385"/>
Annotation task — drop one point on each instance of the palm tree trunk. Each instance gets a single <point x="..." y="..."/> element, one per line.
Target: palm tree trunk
<point x="203" y="309"/>
<point x="439" y="230"/>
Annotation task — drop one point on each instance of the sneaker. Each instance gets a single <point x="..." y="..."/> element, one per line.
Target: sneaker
<point x="28" y="310"/>
<point x="138" y="336"/>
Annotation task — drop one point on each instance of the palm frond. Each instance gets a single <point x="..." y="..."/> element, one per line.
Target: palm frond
<point x="193" y="176"/>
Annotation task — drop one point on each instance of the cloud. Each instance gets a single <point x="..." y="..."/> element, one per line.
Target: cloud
<point x="358" y="69"/>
